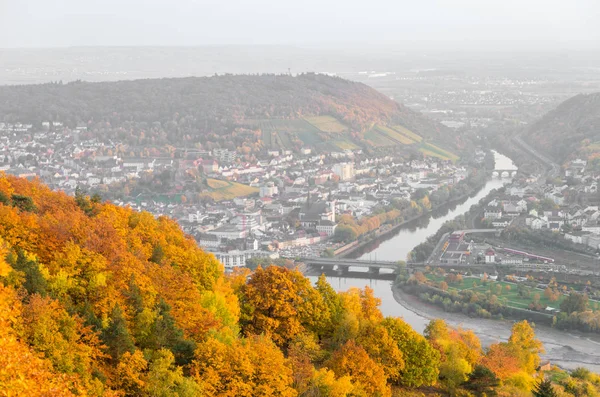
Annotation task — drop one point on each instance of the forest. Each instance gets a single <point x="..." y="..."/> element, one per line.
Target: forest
<point x="570" y="131"/>
<point x="100" y="300"/>
<point x="227" y="111"/>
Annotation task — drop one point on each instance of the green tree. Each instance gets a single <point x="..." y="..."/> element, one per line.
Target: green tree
<point x="34" y="282"/>
<point x="24" y="203"/>
<point x="166" y="380"/>
<point x="544" y="389"/>
<point x="482" y="382"/>
<point x="116" y="336"/>
<point x="421" y="359"/>
<point x="158" y="253"/>
<point x="166" y="334"/>
<point x="575" y="302"/>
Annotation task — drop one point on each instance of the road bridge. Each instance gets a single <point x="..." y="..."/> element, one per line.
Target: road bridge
<point x="343" y="265"/>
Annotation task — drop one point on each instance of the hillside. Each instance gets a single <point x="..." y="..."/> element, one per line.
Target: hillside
<point x="571" y="130"/>
<point x="244" y="112"/>
<point x="104" y="301"/>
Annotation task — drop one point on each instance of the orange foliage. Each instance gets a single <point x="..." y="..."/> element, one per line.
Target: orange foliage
<point x="501" y="360"/>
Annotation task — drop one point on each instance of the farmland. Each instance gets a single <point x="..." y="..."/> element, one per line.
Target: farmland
<point x="226" y="190"/>
<point x="407" y="133"/>
<point x="429" y="149"/>
<point x="394" y="135"/>
<point x="327" y="124"/>
<point x="328" y="133"/>
<point x="378" y="139"/>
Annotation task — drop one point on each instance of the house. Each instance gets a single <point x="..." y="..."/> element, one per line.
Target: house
<point x="501" y="222"/>
<point x="206" y="240"/>
<point x="344" y="170"/>
<point x="492" y="213"/>
<point x="577" y="237"/>
<point x="490" y="256"/>
<point x="210" y="166"/>
<point x="237" y="258"/>
<point x="269" y="190"/>
<point x="591" y="227"/>
<point x="327" y="227"/>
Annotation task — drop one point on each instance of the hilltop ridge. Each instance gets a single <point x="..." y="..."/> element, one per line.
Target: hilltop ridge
<point x="257" y="112"/>
<point x="570" y="130"/>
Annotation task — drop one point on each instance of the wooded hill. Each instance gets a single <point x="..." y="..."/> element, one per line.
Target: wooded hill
<point x="245" y="112"/>
<point x="571" y="130"/>
<point x="100" y="300"/>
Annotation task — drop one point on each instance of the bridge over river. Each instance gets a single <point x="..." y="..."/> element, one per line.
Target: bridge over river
<point x="509" y="173"/>
<point x="342" y="265"/>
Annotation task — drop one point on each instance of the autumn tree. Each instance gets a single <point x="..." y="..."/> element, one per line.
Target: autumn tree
<point x="281" y="303"/>
<point x="250" y="367"/>
<point x="460" y="351"/>
<point x="421" y="360"/>
<point x="164" y="379"/>
<point x="368" y="377"/>
<point x="575" y="302"/>
<point x="527" y="348"/>
<point x="501" y="359"/>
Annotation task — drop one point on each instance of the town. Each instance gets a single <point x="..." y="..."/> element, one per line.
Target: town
<point x="285" y="204"/>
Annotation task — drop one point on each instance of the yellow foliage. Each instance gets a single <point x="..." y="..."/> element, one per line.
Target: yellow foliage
<point x="245" y="368"/>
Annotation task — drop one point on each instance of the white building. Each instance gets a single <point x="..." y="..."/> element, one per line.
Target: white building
<point x="237" y="258"/>
<point x="326" y="227"/>
<point x="344" y="170"/>
<point x="269" y="190"/>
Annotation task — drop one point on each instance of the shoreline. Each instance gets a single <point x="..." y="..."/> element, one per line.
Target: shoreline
<point x="379" y="233"/>
<point x="558" y="351"/>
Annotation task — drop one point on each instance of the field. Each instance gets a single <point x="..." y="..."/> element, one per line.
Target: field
<point x="398" y="135"/>
<point x="327" y="124"/>
<point x="434" y="151"/>
<point x="225" y="190"/>
<point x="407" y="133"/>
<point x="394" y="135"/>
<point x="328" y="133"/>
<point x="378" y="139"/>
<point x="217" y="183"/>
<point x="511" y="297"/>
<point x="344" y="144"/>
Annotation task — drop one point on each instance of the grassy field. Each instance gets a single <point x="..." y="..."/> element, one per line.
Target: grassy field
<point x="217" y="183"/>
<point x="225" y="190"/>
<point x="327" y="124"/>
<point x="434" y="151"/>
<point x="377" y="139"/>
<point x="344" y="144"/>
<point x="407" y="133"/>
<point x="509" y="297"/>
<point x="395" y="135"/>
<point x="328" y="133"/>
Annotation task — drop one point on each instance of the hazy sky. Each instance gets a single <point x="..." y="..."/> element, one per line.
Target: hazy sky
<point x="412" y="24"/>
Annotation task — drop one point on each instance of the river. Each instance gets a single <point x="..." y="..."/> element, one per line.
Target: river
<point x="569" y="350"/>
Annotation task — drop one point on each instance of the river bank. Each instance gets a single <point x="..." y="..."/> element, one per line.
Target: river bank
<point x="568" y="350"/>
<point x="385" y="230"/>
